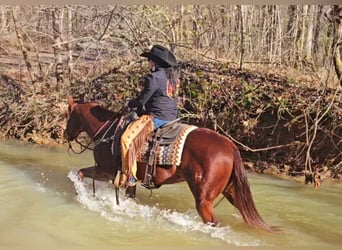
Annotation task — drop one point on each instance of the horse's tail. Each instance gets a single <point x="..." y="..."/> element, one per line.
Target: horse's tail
<point x="243" y="199"/>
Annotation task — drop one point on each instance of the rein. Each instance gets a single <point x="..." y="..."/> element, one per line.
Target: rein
<point x="85" y="147"/>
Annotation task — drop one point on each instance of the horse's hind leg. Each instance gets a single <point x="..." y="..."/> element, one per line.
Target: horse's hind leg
<point x="206" y="211"/>
<point x="205" y="198"/>
<point x="204" y="201"/>
<point x="205" y="191"/>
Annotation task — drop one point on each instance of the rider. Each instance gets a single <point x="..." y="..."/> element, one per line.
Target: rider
<point x="157" y="103"/>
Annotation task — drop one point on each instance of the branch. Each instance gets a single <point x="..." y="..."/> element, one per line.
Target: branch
<point x="106" y="28"/>
<point x="246" y="148"/>
<point x="317" y="121"/>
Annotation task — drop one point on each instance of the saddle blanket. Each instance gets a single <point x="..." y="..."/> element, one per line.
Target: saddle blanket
<point x="167" y="154"/>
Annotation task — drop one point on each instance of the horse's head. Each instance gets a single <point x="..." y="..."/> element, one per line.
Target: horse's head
<point x="74" y="124"/>
<point x="89" y="117"/>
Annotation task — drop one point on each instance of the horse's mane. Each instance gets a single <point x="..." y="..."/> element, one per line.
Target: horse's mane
<point x="98" y="111"/>
<point x="101" y="113"/>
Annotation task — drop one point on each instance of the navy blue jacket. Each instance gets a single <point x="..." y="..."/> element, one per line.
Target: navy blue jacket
<point x="154" y="97"/>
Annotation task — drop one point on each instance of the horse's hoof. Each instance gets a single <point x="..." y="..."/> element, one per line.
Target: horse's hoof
<point x="130" y="192"/>
<point x="80" y="175"/>
<point x="130" y="196"/>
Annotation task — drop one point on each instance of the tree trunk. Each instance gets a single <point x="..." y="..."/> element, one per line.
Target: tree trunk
<point x="270" y="33"/>
<point x="222" y="35"/>
<point x="334" y="15"/>
<point x="3" y="17"/>
<point x="57" y="19"/>
<point x="279" y="34"/>
<point x="240" y="17"/>
<point x="195" y="27"/>
<point x="180" y="24"/>
<point x="337" y="41"/>
<point x="291" y="34"/>
<point x="309" y="35"/>
<point x="317" y="29"/>
<point x="69" y="44"/>
<point x="22" y="46"/>
<point x="298" y="49"/>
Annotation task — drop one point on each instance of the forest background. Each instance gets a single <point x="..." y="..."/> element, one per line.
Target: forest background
<point x="266" y="76"/>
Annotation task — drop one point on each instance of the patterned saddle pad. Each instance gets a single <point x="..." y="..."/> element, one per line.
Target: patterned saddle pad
<point x="170" y="154"/>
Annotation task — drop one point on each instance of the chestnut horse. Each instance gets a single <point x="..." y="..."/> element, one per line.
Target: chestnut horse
<point x="211" y="164"/>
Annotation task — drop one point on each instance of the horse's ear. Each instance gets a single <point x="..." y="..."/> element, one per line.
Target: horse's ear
<point x="71" y="101"/>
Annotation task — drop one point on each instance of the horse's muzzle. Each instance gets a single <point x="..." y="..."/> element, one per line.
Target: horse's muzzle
<point x="67" y="136"/>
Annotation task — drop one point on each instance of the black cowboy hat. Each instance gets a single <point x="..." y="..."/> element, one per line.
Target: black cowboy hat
<point x="161" y="56"/>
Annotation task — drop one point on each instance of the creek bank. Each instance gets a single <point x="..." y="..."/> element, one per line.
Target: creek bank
<point x="269" y="169"/>
<point x="259" y="109"/>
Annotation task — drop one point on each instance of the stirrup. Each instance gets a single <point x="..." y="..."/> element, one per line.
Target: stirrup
<point x="148" y="183"/>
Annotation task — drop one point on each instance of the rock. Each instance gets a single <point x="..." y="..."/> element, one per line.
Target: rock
<point x="249" y="166"/>
<point x="271" y="170"/>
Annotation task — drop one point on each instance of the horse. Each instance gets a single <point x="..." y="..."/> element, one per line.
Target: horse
<point x="210" y="163"/>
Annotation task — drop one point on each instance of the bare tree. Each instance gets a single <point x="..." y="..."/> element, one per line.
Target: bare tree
<point x="257" y="34"/>
<point x="4" y="19"/>
<point x="309" y="36"/>
<point x="69" y="44"/>
<point x="240" y="17"/>
<point x="317" y="31"/>
<point x="291" y="31"/>
<point x="334" y="15"/>
<point x="57" y="23"/>
<point x="22" y="46"/>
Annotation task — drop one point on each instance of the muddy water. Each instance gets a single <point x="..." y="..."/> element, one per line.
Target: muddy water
<point x="43" y="204"/>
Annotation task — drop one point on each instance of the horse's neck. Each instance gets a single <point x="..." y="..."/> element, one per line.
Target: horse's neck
<point x="93" y="129"/>
<point x="93" y="124"/>
<point x="97" y="122"/>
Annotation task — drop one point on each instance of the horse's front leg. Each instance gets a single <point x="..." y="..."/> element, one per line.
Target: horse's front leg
<point x="80" y="175"/>
<point x="87" y="172"/>
<point x="131" y="191"/>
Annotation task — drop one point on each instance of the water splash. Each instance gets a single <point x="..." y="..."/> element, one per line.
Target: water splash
<point x="104" y="203"/>
<point x="40" y="188"/>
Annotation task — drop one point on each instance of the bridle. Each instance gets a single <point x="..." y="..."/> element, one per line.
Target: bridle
<point x="112" y="120"/>
<point x="83" y="147"/>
